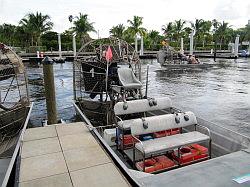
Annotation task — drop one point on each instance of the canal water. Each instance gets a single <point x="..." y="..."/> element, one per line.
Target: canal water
<point x="220" y="95"/>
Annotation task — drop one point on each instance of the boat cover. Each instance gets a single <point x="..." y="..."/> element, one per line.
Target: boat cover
<point x="128" y="79"/>
<point x="158" y="123"/>
<point x="142" y="105"/>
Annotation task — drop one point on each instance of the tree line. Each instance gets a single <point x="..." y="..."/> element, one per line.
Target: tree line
<point x="35" y="29"/>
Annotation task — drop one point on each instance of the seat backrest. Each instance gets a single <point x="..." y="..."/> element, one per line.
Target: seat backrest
<point x="160" y="123"/>
<point x="125" y="75"/>
<point x="128" y="79"/>
<point x="142" y="105"/>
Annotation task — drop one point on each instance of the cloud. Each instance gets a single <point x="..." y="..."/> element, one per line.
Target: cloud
<point x="108" y="13"/>
<point x="227" y="10"/>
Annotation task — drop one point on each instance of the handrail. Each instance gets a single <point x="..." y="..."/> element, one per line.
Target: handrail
<point x="207" y="129"/>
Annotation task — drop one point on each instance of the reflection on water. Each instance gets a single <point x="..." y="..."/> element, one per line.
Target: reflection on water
<point x="220" y="94"/>
<point x="64" y="92"/>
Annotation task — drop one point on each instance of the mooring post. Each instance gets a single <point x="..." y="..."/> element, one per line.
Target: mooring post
<point x="191" y="43"/>
<point x="49" y="90"/>
<point x="136" y="47"/>
<point x="142" y="46"/>
<point x="59" y="46"/>
<point x="74" y="45"/>
<point x="182" y="50"/>
<point x="236" y="46"/>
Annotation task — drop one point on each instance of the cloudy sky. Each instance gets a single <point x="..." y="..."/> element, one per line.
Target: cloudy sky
<point x="107" y="13"/>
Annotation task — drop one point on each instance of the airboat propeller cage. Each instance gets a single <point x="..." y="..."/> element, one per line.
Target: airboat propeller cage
<point x="90" y="67"/>
<point x="13" y="81"/>
<point x="142" y="105"/>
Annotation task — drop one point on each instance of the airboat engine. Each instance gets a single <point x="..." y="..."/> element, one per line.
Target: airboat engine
<point x="161" y="56"/>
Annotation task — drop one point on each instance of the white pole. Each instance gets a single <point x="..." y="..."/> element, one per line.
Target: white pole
<point x="142" y="48"/>
<point x="59" y="45"/>
<point x="74" y="45"/>
<point x="249" y="46"/>
<point x="136" y="43"/>
<point x="182" y="50"/>
<point x="120" y="50"/>
<point x="236" y="45"/>
<point x="191" y="43"/>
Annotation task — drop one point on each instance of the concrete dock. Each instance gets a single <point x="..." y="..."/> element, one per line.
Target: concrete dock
<point x="66" y="155"/>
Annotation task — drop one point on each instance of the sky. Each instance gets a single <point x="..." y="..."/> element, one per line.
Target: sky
<point x="108" y="13"/>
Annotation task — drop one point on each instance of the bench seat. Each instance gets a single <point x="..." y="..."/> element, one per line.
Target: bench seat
<point x="170" y="142"/>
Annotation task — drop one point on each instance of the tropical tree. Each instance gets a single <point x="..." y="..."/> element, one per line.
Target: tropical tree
<point x="205" y="34"/>
<point x="22" y="38"/>
<point x="7" y="33"/>
<point x="36" y="24"/>
<point x="223" y="32"/>
<point x="82" y="27"/>
<point x="117" y="31"/>
<point x="197" y="27"/>
<point x="135" y="28"/>
<point x="153" y="39"/>
<point x="168" y="30"/>
<point x="178" y="29"/>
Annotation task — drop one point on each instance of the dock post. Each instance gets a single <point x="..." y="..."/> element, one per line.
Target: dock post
<point x="74" y="49"/>
<point x="49" y="90"/>
<point x="236" y="46"/>
<point x="59" y="46"/>
<point x="182" y="50"/>
<point x="136" y="47"/>
<point x="74" y="45"/>
<point x="142" y="47"/>
<point x="191" y="43"/>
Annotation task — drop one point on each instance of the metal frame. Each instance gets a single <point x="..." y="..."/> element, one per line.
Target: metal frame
<point x="17" y="148"/>
<point x="178" y="152"/>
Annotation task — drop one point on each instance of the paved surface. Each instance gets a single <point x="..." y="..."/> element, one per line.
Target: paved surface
<point x="65" y="155"/>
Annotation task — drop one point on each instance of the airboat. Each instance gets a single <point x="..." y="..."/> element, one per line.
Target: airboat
<point x="173" y="60"/>
<point x="151" y="142"/>
<point x="15" y="108"/>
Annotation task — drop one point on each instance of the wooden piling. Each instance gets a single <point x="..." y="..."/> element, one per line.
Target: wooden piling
<point x="49" y="90"/>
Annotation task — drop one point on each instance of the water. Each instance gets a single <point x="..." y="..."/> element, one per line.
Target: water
<point x="220" y="95"/>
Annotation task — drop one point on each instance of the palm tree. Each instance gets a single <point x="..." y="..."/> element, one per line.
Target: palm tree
<point x="153" y="38"/>
<point x="82" y="27"/>
<point x="7" y="33"/>
<point x="36" y="24"/>
<point x="178" y="29"/>
<point x="168" y="30"/>
<point x="135" y="28"/>
<point x="206" y="31"/>
<point x="197" y="27"/>
<point x="117" y="31"/>
<point x="223" y="32"/>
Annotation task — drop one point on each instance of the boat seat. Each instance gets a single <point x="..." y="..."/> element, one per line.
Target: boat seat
<point x="142" y="105"/>
<point x="128" y="79"/>
<point x="170" y="142"/>
<point x="165" y="122"/>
